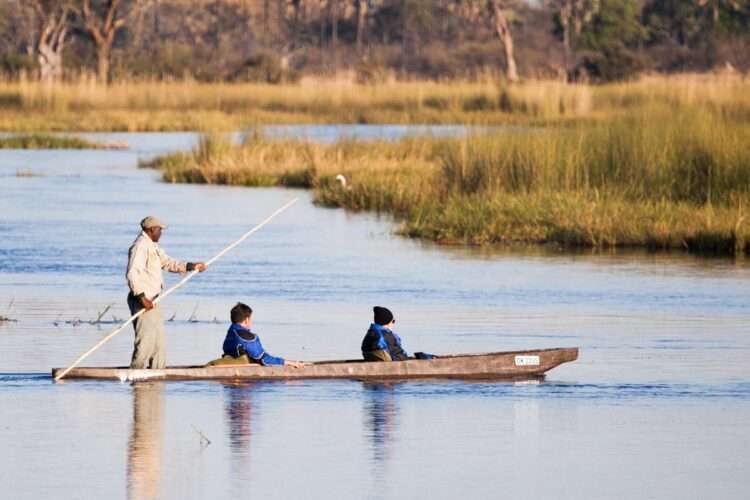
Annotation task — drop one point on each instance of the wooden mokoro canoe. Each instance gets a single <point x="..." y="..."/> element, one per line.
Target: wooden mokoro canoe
<point x="497" y="365"/>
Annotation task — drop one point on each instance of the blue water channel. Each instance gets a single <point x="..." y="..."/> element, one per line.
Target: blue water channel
<point x="657" y="406"/>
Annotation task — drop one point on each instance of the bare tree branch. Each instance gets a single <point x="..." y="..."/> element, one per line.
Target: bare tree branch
<point x="499" y="10"/>
<point x="52" y="21"/>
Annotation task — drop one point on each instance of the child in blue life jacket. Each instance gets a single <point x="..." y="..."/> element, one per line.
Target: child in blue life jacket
<point x="240" y="340"/>
<point x="381" y="343"/>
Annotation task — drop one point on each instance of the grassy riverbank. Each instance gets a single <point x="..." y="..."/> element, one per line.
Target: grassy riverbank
<point x="662" y="162"/>
<point x="658" y="177"/>
<point x="47" y="141"/>
<point x="188" y="105"/>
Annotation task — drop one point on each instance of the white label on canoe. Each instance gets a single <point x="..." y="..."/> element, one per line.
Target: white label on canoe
<point x="527" y="360"/>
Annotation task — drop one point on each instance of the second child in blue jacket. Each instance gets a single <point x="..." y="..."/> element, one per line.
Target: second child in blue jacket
<point x="381" y="343"/>
<point x="241" y="340"/>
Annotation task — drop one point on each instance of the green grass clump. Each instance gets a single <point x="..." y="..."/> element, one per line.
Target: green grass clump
<point x="258" y="161"/>
<point x="691" y="156"/>
<point x="254" y="163"/>
<point x="577" y="220"/>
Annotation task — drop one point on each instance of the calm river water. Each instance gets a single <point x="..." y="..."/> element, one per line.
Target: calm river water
<point x="657" y="406"/>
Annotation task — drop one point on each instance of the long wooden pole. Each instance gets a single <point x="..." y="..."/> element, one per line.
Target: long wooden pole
<point x="172" y="289"/>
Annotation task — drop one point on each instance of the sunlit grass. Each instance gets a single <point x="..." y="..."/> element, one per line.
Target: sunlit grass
<point x="189" y="105"/>
<point x="655" y="178"/>
<point x="258" y="161"/>
<point x="662" y="162"/>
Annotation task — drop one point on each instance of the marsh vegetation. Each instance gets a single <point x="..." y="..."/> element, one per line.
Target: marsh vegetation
<point x="662" y="163"/>
<point x="51" y="141"/>
<point x="189" y="105"/>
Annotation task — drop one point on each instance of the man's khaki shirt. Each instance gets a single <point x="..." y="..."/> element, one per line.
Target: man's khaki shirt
<point x="145" y="262"/>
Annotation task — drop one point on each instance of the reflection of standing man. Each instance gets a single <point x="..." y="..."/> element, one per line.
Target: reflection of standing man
<point x="144" y="450"/>
<point x="145" y="262"/>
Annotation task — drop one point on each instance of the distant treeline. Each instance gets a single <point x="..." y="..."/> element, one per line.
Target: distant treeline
<point x="373" y="40"/>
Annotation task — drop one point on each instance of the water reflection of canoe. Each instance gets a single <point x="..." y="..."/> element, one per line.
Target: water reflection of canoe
<point x="497" y="365"/>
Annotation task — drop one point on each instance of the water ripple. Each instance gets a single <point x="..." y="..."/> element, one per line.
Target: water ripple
<point x="316" y="390"/>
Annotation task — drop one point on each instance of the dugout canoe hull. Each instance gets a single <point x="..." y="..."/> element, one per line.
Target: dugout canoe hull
<point x="498" y="365"/>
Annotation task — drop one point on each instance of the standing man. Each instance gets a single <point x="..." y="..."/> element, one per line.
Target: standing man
<point x="145" y="262"/>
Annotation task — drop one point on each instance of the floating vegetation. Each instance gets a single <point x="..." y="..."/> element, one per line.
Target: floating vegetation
<point x="193" y="318"/>
<point x="27" y="173"/>
<point x="101" y="315"/>
<point x="204" y="440"/>
<point x="99" y="320"/>
<point x="7" y="319"/>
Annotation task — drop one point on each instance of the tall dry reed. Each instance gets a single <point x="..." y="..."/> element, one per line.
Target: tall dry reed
<point x="190" y="105"/>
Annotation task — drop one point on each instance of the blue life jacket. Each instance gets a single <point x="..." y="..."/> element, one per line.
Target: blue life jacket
<point x="240" y="340"/>
<point x="381" y="338"/>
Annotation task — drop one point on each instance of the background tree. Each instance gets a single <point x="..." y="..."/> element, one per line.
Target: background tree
<point x="333" y="15"/>
<point x="612" y="38"/>
<point x="696" y="34"/>
<point x="102" y="19"/>
<point x="361" y="7"/>
<point x="502" y="12"/>
<point x="418" y="21"/>
<point x="18" y="35"/>
<point x="52" y="17"/>
<point x="714" y="8"/>
<point x="572" y="16"/>
<point x="675" y="20"/>
<point x="272" y="40"/>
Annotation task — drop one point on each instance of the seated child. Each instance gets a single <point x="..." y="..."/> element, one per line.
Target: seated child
<point x="240" y="342"/>
<point x="381" y="343"/>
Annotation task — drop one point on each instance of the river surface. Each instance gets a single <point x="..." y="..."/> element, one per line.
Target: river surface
<point x="657" y="406"/>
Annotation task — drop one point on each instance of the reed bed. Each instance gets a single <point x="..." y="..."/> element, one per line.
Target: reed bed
<point x="657" y="177"/>
<point x="258" y="161"/>
<point x="676" y="180"/>
<point x="661" y="162"/>
<point x="188" y="105"/>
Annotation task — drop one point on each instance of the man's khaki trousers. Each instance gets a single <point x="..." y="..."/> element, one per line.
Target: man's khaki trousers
<point x="149" y="349"/>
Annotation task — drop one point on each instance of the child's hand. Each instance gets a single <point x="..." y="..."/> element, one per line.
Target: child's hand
<point x="295" y="364"/>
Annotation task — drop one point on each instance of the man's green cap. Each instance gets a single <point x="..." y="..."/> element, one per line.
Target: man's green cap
<point x="152" y="221"/>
